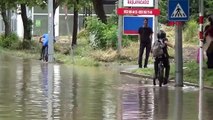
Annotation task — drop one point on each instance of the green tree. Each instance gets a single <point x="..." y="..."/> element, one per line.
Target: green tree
<point x="208" y="7"/>
<point x="75" y="23"/>
<point x="163" y="4"/>
<point x="5" y="9"/>
<point x="27" y="22"/>
<point x="99" y="10"/>
<point x="76" y="5"/>
<point x="194" y="9"/>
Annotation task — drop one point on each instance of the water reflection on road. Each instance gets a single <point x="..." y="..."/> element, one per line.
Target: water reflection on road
<point x="31" y="90"/>
<point x="142" y="101"/>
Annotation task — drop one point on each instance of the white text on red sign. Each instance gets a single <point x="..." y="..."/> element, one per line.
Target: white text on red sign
<point x="138" y="12"/>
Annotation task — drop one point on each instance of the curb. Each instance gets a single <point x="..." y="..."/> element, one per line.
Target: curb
<point x="135" y="75"/>
<point x="171" y="79"/>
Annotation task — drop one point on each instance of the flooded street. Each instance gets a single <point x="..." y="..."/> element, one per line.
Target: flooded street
<point x="32" y="90"/>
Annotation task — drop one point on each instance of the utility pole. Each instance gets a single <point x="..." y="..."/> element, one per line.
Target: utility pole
<point x="50" y="31"/>
<point x="156" y="22"/>
<point x="201" y="21"/>
<point x="178" y="55"/>
<point x="50" y="59"/>
<point x="178" y="11"/>
<point x="201" y="37"/>
<point x="120" y="23"/>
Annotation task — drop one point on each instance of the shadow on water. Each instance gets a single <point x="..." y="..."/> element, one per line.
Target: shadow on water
<point x="161" y="102"/>
<point x="32" y="90"/>
<point x="178" y="104"/>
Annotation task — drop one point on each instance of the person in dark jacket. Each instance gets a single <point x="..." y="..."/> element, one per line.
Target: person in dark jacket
<point x="208" y="32"/>
<point x="161" y="35"/>
<point x="145" y="36"/>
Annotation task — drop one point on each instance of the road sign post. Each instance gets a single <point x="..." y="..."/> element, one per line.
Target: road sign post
<point x="156" y="23"/>
<point x="120" y="22"/>
<point x="201" y="21"/>
<point x="50" y="31"/>
<point x="178" y="55"/>
<point x="178" y="11"/>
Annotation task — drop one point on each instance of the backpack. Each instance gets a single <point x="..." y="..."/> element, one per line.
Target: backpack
<point x="157" y="48"/>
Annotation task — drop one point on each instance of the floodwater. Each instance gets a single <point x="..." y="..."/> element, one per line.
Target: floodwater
<point x="32" y="90"/>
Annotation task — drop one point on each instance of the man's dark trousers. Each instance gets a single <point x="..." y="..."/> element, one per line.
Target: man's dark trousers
<point x="141" y="51"/>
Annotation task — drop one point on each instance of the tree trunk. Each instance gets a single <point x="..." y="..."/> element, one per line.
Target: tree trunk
<point x="7" y="22"/>
<point x="99" y="10"/>
<point x="75" y="24"/>
<point x="27" y="24"/>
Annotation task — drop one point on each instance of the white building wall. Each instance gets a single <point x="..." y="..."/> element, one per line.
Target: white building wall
<point x="1" y="25"/>
<point x="56" y="23"/>
<point x="20" y="28"/>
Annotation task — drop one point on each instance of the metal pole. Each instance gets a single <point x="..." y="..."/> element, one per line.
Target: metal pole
<point x="50" y="30"/>
<point x="178" y="55"/>
<point x="156" y="23"/>
<point x="201" y="20"/>
<point x="120" y="22"/>
<point x="200" y="115"/>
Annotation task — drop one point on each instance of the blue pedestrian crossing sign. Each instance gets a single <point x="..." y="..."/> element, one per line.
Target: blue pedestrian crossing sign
<point x="178" y="10"/>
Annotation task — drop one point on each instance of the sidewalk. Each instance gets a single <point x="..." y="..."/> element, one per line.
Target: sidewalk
<point x="127" y="71"/>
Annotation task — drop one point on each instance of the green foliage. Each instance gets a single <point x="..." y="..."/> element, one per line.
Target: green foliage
<point x="96" y="29"/>
<point x="110" y="36"/>
<point x="191" y="31"/>
<point x="9" y="42"/>
<point x="163" y="4"/>
<point x="103" y="35"/>
<point x="208" y="7"/>
<point x="7" y="4"/>
<point x="76" y="60"/>
<point x="85" y="61"/>
<point x="31" y="3"/>
<point x="127" y="39"/>
<point x="83" y="34"/>
<point x="194" y="9"/>
<point x="191" y="73"/>
<point x="113" y="19"/>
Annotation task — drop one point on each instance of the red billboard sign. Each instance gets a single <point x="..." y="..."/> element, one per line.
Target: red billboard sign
<point x="137" y="11"/>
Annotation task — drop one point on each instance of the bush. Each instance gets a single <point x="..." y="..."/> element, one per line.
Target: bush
<point x="191" y="32"/>
<point x="96" y="28"/>
<point x="104" y="35"/>
<point x="10" y="41"/>
<point x="110" y="36"/>
<point x="82" y="34"/>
